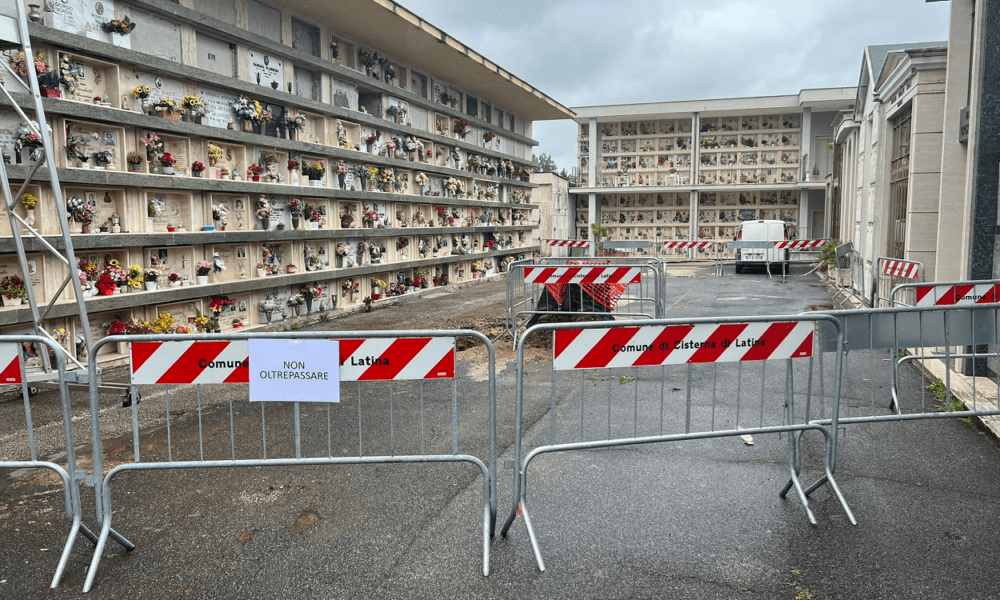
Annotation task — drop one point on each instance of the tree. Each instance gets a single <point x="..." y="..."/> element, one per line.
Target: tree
<point x="544" y="164"/>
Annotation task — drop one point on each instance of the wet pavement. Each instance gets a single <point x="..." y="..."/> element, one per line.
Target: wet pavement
<point x="692" y="519"/>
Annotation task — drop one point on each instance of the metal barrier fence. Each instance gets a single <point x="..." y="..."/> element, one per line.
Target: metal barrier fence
<point x="947" y="293"/>
<point x="22" y="451"/>
<point x="708" y="358"/>
<point x="932" y="339"/>
<point x="890" y="273"/>
<point x="413" y="371"/>
<point x="854" y="262"/>
<point x="559" y="285"/>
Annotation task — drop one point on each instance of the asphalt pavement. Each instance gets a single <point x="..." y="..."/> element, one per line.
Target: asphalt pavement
<point x="690" y="519"/>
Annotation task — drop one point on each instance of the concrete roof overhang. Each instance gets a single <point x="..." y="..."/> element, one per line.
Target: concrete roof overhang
<point x="817" y="100"/>
<point x="406" y="36"/>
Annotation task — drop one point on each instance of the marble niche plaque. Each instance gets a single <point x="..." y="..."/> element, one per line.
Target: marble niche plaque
<point x="170" y="210"/>
<point x="237" y="260"/>
<point x="237" y="313"/>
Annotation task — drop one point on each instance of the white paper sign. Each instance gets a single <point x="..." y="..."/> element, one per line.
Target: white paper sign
<point x="294" y="371"/>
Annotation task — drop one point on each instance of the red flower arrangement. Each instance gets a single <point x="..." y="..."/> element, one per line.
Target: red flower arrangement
<point x="220" y="303"/>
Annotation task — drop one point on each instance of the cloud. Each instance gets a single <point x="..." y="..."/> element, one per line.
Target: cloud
<point x="587" y="52"/>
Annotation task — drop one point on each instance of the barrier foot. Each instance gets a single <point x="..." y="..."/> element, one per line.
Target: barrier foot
<point x="802" y="497"/>
<point x="67" y="550"/>
<point x="486" y="539"/>
<point x="87" y="533"/>
<point x="96" y="561"/>
<point x="106" y="532"/>
<point x="531" y="536"/>
<point x="843" y="501"/>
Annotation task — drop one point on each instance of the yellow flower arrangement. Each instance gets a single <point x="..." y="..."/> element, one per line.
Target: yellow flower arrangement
<point x="30" y="201"/>
<point x="141" y="91"/>
<point x="378" y="283"/>
<point x="214" y="154"/>
<point x="164" y="323"/>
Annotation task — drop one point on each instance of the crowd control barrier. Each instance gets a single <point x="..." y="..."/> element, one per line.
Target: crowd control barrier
<point x="851" y="263"/>
<point x="891" y="272"/>
<point x="22" y="451"/>
<point x="933" y="339"/>
<point x="609" y="286"/>
<point x="706" y="358"/>
<point x="309" y="405"/>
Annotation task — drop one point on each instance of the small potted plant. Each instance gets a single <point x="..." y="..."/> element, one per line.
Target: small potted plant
<point x="29" y="202"/>
<point x="203" y="268"/>
<point x="151" y="275"/>
<point x="197" y="168"/>
<point x="167" y="162"/>
<point x="135" y="160"/>
<point x="261" y="270"/>
<point x="314" y="171"/>
<point x="167" y="109"/>
<point x="13" y="290"/>
<point x="175" y="280"/>
<point x="254" y="172"/>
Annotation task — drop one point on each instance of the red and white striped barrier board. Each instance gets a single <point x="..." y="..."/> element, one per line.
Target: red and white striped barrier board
<point x="800" y="244"/>
<point x="229" y="361"/>
<point x="680" y="344"/>
<point x="394" y="359"/>
<point x="196" y="361"/>
<point x="687" y="245"/>
<point x="552" y="275"/>
<point x="10" y="362"/>
<point x="953" y="295"/>
<point x="901" y="268"/>
<point x="569" y="243"/>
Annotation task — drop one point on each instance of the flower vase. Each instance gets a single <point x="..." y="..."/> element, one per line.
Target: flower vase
<point x="167" y="170"/>
<point x="342" y="178"/>
<point x="146" y="106"/>
<point x="345" y="223"/>
<point x="265" y="223"/>
<point x="313" y="225"/>
<point x="85" y="228"/>
<point x="196" y="173"/>
<point x="261" y="272"/>
<point x="29" y="217"/>
<point x="309" y="303"/>
<point x="316" y="182"/>
<point x="202" y="279"/>
<point x="295" y="222"/>
<point x="255" y="178"/>
<point x="107" y="291"/>
<point x="293" y="177"/>
<point x="150" y="286"/>
<point x="376" y="290"/>
<point x="247" y="126"/>
<point x="296" y="308"/>
<point x="268" y="314"/>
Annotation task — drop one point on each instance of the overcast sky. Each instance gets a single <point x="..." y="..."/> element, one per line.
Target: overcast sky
<point x="587" y="52"/>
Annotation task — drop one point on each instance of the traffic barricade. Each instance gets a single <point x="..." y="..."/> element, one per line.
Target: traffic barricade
<point x="606" y="287"/>
<point x="393" y="392"/>
<point x="694" y="252"/>
<point x="781" y="385"/>
<point x="937" y="340"/>
<point x="891" y="273"/>
<point x="22" y="450"/>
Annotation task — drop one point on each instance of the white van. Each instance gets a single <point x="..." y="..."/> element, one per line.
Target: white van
<point x="762" y="231"/>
